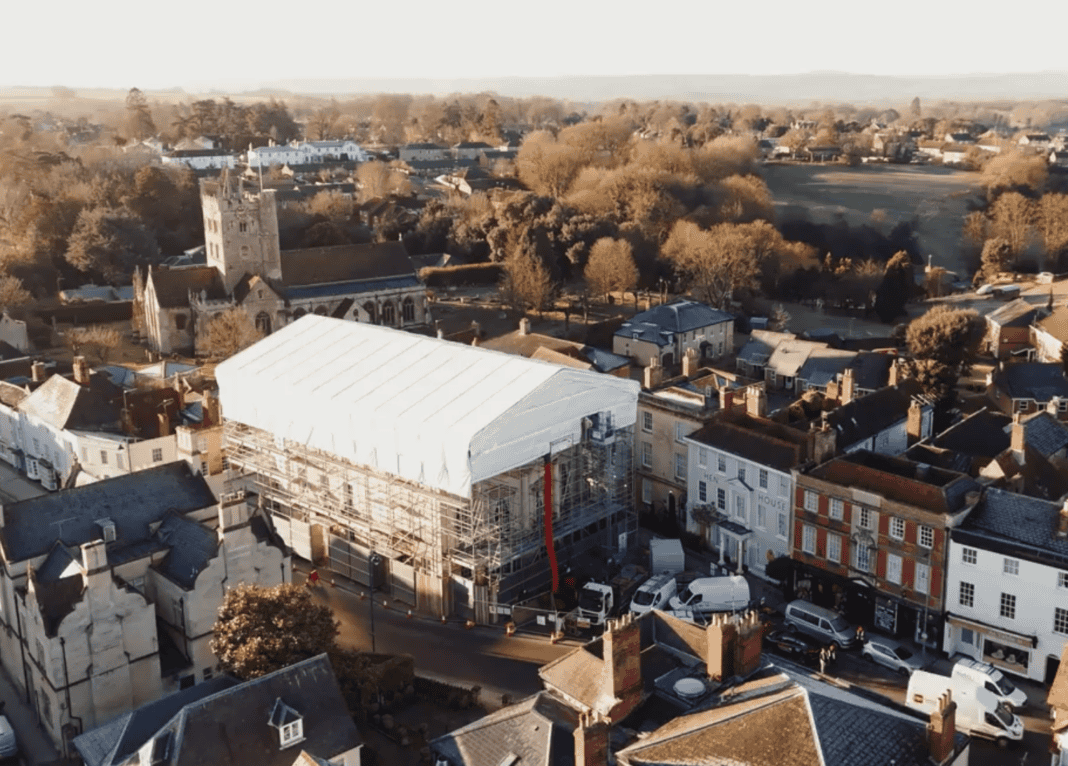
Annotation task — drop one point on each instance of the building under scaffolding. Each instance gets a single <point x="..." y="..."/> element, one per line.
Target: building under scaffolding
<point x="439" y="458"/>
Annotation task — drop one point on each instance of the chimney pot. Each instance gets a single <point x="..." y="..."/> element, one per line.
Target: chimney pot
<point x="81" y="371"/>
<point x="524" y="326"/>
<point x="38" y="372"/>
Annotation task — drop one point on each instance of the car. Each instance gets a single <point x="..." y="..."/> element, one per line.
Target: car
<point x="892" y="654"/>
<point x="794" y="646"/>
<point x="1045" y="278"/>
<point x="985" y="290"/>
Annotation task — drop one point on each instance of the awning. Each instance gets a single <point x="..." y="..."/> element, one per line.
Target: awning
<point x="1005" y="636"/>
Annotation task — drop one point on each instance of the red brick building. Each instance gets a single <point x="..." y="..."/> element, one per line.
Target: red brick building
<point x="871" y="539"/>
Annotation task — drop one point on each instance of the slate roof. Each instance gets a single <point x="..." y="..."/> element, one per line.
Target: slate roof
<point x="132" y="501"/>
<point x="537" y="730"/>
<point x="762" y="441"/>
<point x="791" y="354"/>
<point x="981" y="434"/>
<point x="345" y="263"/>
<point x="823" y="366"/>
<point x="62" y="562"/>
<point x="192" y="547"/>
<point x="659" y="325"/>
<point x="871" y="370"/>
<point x="531" y="344"/>
<point x="578" y="674"/>
<point x="1018" y="518"/>
<point x="1017" y="313"/>
<point x="1056" y="323"/>
<point x="1043" y="433"/>
<point x="64" y="404"/>
<point x="862" y="418"/>
<point x="1038" y="381"/>
<point x="172" y="286"/>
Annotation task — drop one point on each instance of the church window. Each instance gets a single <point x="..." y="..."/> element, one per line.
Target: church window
<point x="369" y="307"/>
<point x="388" y="313"/>
<point x="263" y="322"/>
<point x="179" y="321"/>
<point x="320" y="310"/>
<point x="408" y="310"/>
<point x="242" y="227"/>
<point x="299" y="313"/>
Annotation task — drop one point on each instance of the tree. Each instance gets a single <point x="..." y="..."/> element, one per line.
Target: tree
<point x="896" y="287"/>
<point x="914" y="108"/>
<point x="110" y="241"/>
<point x="995" y="258"/>
<point x="228" y="332"/>
<point x="527" y="283"/>
<point x="943" y="343"/>
<point x="261" y="630"/>
<point x="1011" y="217"/>
<point x="322" y="123"/>
<point x="376" y="179"/>
<point x="13" y="294"/>
<point x="718" y="262"/>
<point x="99" y="341"/>
<point x="546" y="166"/>
<point x="138" y="116"/>
<point x="779" y="321"/>
<point x="1014" y="170"/>
<point x="1052" y="223"/>
<point x="611" y="267"/>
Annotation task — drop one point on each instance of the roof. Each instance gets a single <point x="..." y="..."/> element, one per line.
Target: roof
<point x="1043" y="433"/>
<point x="823" y="365"/>
<point x="192" y="546"/>
<point x="762" y="441"/>
<point x="1019" y="518"/>
<point x="659" y="325"/>
<point x="133" y="501"/>
<point x="758" y="349"/>
<point x="12" y="395"/>
<point x="233" y="725"/>
<point x="536" y="730"/>
<point x="791" y="354"/>
<point x="868" y="415"/>
<point x="172" y="286"/>
<point x="437" y="413"/>
<point x="345" y="263"/>
<point x="1032" y="380"/>
<point x="64" y="404"/>
<point x="1056" y="324"/>
<point x="981" y="434"/>
<point x="1016" y="313"/>
<point x="532" y="344"/>
<point x="871" y="370"/>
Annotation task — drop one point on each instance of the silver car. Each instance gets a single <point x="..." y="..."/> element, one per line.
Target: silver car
<point x="892" y="654"/>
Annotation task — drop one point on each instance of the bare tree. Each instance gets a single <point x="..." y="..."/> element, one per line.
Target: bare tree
<point x="1011" y="217"/>
<point x="97" y="341"/>
<point x="13" y="294"/>
<point x="1052" y="222"/>
<point x="228" y="332"/>
<point x="611" y="267"/>
<point x="718" y="261"/>
<point x="527" y="283"/>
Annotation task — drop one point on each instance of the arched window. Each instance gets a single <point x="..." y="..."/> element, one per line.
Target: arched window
<point x="263" y="322"/>
<point x="179" y="321"/>
<point x="408" y="310"/>
<point x="369" y="309"/>
<point x="321" y="311"/>
<point x="246" y="253"/>
<point x="299" y="313"/>
<point x="388" y="314"/>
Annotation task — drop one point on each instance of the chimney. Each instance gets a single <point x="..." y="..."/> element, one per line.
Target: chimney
<point x="164" y="424"/>
<point x="524" y="326"/>
<point x="591" y="741"/>
<point x="689" y="363"/>
<point x="733" y="645"/>
<point x="81" y="371"/>
<point x="848" y="385"/>
<point x="37" y="372"/>
<point x="824" y="442"/>
<point x="1017" y="440"/>
<point x="212" y="411"/>
<point x="942" y="729"/>
<point x="895" y="375"/>
<point x="441" y="334"/>
<point x="832" y="390"/>
<point x="914" y="423"/>
<point x="1062" y="520"/>
<point x="622" y="677"/>
<point x="654" y="373"/>
<point x="94" y="560"/>
<point x="756" y="402"/>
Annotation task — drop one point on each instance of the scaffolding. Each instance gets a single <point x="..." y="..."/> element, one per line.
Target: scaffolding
<point x="492" y="545"/>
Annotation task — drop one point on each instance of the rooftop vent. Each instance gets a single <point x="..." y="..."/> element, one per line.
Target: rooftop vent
<point x="107" y="529"/>
<point x="689" y="688"/>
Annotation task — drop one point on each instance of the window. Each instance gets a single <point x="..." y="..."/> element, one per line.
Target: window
<point x="1011" y="567"/>
<point x="242" y="227"/>
<point x="967" y="594"/>
<point x="761" y="516"/>
<point x="926" y="537"/>
<point x="837" y="509"/>
<point x="292" y="732"/>
<point x="897" y="528"/>
<point x="647" y="421"/>
<point x="863" y="558"/>
<point x="923" y="579"/>
<point x="647" y="491"/>
<point x="1008" y="606"/>
<point x="1020" y="405"/>
<point x="408" y="310"/>
<point x="968" y="555"/>
<point x="739" y="506"/>
<point x="782" y="525"/>
<point x="702" y="457"/>
<point x="865" y="519"/>
<point x="741" y="473"/>
<point x="103" y="457"/>
<point x="893" y="568"/>
<point x="808" y="541"/>
<point x="157" y="455"/>
<point x="1062" y="579"/>
<point x="680" y="431"/>
<point x="388" y="314"/>
<point x="784" y="486"/>
<point x="721" y="464"/>
<point x="1060" y="621"/>
<point x="208" y="673"/>
<point x="763" y="478"/>
<point x="680" y="466"/>
<point x="702" y="491"/>
<point x="811" y="501"/>
<point x="834" y="548"/>
<point x="721" y="499"/>
<point x="36" y="446"/>
<point x="647" y="454"/>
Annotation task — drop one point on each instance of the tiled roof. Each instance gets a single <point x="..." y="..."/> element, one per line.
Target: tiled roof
<point x="658" y="325"/>
<point x="823" y="365"/>
<point x="790" y="355"/>
<point x="862" y="418"/>
<point x="1032" y="380"/>
<point x="335" y="289"/>
<point x="64" y="404"/>
<point x="172" y="286"/>
<point x="578" y="675"/>
<point x="192" y="546"/>
<point x="982" y="434"/>
<point x="758" y="349"/>
<point x="1019" y="518"/>
<point x="133" y="501"/>
<point x="1017" y="313"/>
<point x="345" y="263"/>
<point x="537" y="730"/>
<point x="761" y="441"/>
<point x="1043" y="433"/>
<point x="871" y="370"/>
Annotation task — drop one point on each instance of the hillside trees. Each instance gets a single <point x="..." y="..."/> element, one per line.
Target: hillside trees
<point x="109" y="242"/>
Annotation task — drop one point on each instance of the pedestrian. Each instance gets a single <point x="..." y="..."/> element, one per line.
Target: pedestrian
<point x="823" y="661"/>
<point x="832" y="654"/>
<point x="313" y="578"/>
<point x="860" y="634"/>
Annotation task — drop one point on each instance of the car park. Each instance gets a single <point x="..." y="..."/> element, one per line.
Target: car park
<point x="891" y="654"/>
<point x="793" y="646"/>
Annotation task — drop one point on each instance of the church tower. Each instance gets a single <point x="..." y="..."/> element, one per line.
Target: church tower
<point x="240" y="230"/>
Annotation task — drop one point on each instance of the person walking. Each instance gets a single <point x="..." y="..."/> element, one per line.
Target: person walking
<point x="823" y="661"/>
<point x="313" y="578"/>
<point x="860" y="634"/>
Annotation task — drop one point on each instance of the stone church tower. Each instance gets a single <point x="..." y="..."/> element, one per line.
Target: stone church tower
<point x="240" y="231"/>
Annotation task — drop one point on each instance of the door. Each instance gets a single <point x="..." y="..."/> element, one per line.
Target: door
<point x="1053" y="663"/>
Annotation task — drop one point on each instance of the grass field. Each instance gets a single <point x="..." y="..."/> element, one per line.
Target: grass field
<point x="936" y="197"/>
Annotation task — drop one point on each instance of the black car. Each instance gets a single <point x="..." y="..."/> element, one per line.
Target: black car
<point x="794" y="646"/>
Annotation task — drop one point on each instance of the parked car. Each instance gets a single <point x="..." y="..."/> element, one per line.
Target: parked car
<point x="891" y="654"/>
<point x="794" y="646"/>
<point x="9" y="746"/>
<point x="821" y="623"/>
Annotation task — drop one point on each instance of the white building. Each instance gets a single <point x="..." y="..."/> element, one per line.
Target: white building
<point x="1007" y="585"/>
<point x="200" y="159"/>
<point x="321" y="151"/>
<point x="266" y="156"/>
<point x="437" y="457"/>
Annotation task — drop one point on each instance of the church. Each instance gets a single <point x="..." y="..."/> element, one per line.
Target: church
<point x="247" y="269"/>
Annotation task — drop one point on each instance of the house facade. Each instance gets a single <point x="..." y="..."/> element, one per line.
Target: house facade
<point x="1029" y="387"/>
<point x="1007" y="585"/>
<point x="665" y="333"/>
<point x="1009" y="328"/>
<point x="200" y="159"/>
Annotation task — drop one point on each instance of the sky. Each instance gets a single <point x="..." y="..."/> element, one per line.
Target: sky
<point x="123" y="44"/>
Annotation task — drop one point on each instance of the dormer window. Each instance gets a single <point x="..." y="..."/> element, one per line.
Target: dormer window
<point x="289" y="722"/>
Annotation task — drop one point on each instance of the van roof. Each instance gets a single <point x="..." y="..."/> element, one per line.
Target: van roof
<point x="808" y="606"/>
<point x="656" y="582"/>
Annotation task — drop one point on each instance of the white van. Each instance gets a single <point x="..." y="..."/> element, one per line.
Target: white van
<point x="979" y="712"/>
<point x="8" y="744"/>
<point x="821" y="623"/>
<point x="991" y="679"/>
<point x="654" y="593"/>
<point x="706" y="595"/>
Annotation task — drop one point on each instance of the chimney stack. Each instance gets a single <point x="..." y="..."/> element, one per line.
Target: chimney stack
<point x="726" y="399"/>
<point x="1062" y="520"/>
<point x="622" y="664"/>
<point x="942" y="729"/>
<point x="164" y="424"/>
<point x="689" y="363"/>
<point x="654" y="373"/>
<point x="1017" y="439"/>
<point x="591" y="741"/>
<point x="524" y="326"/>
<point x="94" y="560"/>
<point x="81" y="371"/>
<point x="848" y="385"/>
<point x="37" y="372"/>
<point x="212" y="411"/>
<point x="914" y="423"/>
<point x="756" y="402"/>
<point x="895" y="375"/>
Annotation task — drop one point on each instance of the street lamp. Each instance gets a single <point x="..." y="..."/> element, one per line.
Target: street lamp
<point x="375" y="560"/>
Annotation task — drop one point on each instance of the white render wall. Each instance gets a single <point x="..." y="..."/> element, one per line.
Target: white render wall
<point x="1037" y="595"/>
<point x="767" y="510"/>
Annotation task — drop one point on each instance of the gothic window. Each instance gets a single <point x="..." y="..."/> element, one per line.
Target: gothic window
<point x="408" y="310"/>
<point x="179" y="321"/>
<point x="321" y="311"/>
<point x="299" y="313"/>
<point x="263" y="322"/>
<point x="388" y="314"/>
<point x="371" y="314"/>
<point x="242" y="227"/>
<point x="245" y="252"/>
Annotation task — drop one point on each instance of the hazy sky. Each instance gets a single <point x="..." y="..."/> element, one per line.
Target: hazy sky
<point x="121" y="43"/>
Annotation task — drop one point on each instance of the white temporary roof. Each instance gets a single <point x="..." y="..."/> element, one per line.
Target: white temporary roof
<point x="436" y="412"/>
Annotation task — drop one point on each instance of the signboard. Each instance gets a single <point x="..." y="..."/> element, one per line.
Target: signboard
<point x="886" y="615"/>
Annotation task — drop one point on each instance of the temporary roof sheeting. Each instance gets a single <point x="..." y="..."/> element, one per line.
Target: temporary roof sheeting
<point x="432" y="411"/>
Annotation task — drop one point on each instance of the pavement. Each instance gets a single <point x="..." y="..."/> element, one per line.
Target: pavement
<point x="35" y="746"/>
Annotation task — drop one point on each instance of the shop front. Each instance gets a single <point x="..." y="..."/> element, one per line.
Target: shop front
<point x="1008" y="651"/>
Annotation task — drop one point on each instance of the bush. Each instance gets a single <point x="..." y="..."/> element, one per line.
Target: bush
<point x="467" y="275"/>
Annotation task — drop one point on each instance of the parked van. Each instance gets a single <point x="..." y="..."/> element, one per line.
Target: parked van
<point x="706" y="595"/>
<point x="979" y="712"/>
<point x="991" y="679"/>
<point x="8" y="745"/>
<point x="820" y="623"/>
<point x="654" y="593"/>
